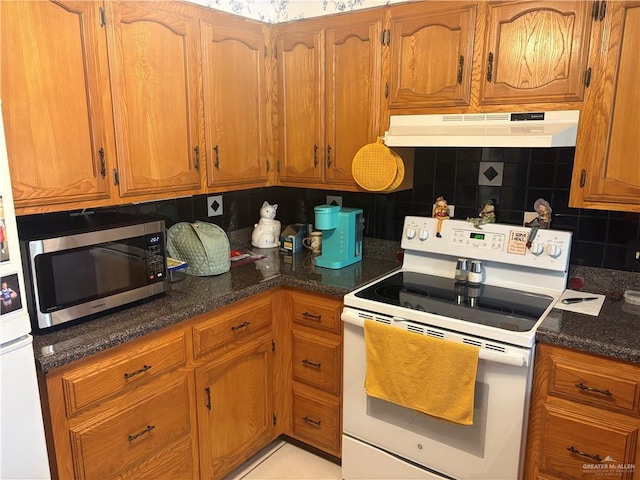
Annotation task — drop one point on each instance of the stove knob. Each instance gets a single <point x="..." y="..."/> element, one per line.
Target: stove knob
<point x="537" y="248"/>
<point x="423" y="234"/>
<point x="553" y="250"/>
<point x="411" y="233"/>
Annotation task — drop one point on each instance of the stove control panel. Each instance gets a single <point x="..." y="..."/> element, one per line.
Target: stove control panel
<point x="513" y="244"/>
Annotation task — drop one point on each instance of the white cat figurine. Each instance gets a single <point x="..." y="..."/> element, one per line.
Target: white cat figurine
<point x="266" y="233"/>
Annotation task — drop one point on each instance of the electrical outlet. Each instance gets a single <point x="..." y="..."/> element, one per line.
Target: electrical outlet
<point x="334" y="200"/>
<point x="633" y="255"/>
<point x="214" y="206"/>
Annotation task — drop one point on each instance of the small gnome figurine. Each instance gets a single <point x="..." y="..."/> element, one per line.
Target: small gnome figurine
<point x="486" y="215"/>
<point x="441" y="213"/>
<point x="543" y="220"/>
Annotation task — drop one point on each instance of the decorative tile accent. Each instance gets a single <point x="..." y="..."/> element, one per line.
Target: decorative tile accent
<point x="491" y="174"/>
<point x="214" y="206"/>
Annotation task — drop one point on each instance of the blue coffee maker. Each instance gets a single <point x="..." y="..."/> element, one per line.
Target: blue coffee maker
<point x="341" y="235"/>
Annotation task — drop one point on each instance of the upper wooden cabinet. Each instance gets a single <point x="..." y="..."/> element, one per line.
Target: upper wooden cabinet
<point x="431" y="54"/>
<point x="234" y="54"/>
<point x="473" y="56"/>
<point x="535" y="51"/>
<point x="51" y="87"/>
<point x="154" y="67"/>
<point x="329" y="78"/>
<point x="606" y="172"/>
<point x="300" y="51"/>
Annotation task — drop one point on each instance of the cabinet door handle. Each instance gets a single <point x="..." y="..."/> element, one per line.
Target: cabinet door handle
<point x="329" y="155"/>
<point x="312" y="421"/>
<point x="603" y="10"/>
<point x="217" y="162"/>
<point x="490" y="67"/>
<point x="596" y="457"/>
<point x="238" y="327"/>
<point x="309" y="363"/>
<point x="146" y="430"/>
<point x="582" y="386"/>
<point x="315" y="155"/>
<point x="312" y="316"/>
<point x="144" y="368"/>
<point x="207" y="390"/>
<point x="460" y="68"/>
<point x="197" y="162"/>
<point x="103" y="166"/>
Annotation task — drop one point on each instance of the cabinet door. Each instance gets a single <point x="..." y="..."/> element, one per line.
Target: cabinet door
<point x="233" y="61"/>
<point x="353" y="77"/>
<point x="301" y="102"/>
<point x="535" y="51"/>
<point x="234" y="407"/>
<point x="153" y="61"/>
<point x="606" y="172"/>
<point x="51" y="89"/>
<point x="431" y="54"/>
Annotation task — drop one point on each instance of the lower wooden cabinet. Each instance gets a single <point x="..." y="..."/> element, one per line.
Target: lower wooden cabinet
<point x="316" y="339"/>
<point x="127" y="412"/>
<point x="198" y="399"/>
<point x="235" y="415"/>
<point x="585" y="417"/>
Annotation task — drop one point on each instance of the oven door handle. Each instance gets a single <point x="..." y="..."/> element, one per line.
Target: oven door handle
<point x="518" y="360"/>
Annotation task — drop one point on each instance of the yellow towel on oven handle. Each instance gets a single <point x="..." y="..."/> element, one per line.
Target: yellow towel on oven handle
<point x="431" y="375"/>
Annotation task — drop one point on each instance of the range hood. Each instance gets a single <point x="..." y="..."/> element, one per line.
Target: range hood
<point x="529" y="129"/>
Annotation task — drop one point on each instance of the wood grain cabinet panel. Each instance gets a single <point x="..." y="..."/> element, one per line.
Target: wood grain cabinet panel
<point x="315" y="312"/>
<point x="52" y="82"/>
<point x="300" y="102"/>
<point x="431" y="54"/>
<point x="316" y="371"/>
<point x="317" y="361"/>
<point x="606" y="172"/>
<point x="109" y="446"/>
<point x="535" y="51"/>
<point x="329" y="84"/>
<point x="154" y="67"/>
<point x="584" y="419"/>
<point x="316" y="419"/>
<point x="115" y="374"/>
<point x="239" y="322"/>
<point x="235" y="412"/>
<point x="235" y="100"/>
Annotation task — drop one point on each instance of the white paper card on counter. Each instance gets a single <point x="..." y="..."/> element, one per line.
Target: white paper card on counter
<point x="590" y="307"/>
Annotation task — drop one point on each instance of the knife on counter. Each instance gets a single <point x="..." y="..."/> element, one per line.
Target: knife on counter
<point x="568" y="301"/>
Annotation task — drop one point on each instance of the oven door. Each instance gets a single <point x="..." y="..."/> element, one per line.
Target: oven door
<point x="490" y="448"/>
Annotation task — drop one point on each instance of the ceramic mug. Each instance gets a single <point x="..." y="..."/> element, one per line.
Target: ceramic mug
<point x="313" y="242"/>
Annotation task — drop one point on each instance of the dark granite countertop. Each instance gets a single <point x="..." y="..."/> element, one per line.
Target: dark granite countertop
<point x="193" y="296"/>
<point x="614" y="333"/>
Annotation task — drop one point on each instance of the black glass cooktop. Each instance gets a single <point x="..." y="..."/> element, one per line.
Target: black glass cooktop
<point x="483" y="304"/>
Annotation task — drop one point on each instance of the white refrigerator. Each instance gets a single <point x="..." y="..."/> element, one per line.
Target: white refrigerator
<point x="23" y="451"/>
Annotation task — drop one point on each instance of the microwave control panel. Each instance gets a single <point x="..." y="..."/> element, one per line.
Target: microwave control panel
<point x="155" y="257"/>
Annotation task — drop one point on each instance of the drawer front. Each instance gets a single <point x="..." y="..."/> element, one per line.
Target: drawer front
<point x="240" y="322"/>
<point x="595" y="382"/>
<point x="317" y="361"/>
<point x="576" y="446"/>
<point x="175" y="461"/>
<point x="135" y="434"/>
<point x="114" y="374"/>
<point x="317" y="312"/>
<point x="317" y="422"/>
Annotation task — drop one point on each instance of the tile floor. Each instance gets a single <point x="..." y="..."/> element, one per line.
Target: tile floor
<point x="284" y="461"/>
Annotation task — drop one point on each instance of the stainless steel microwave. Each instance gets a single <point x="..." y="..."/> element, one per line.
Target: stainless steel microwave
<point x="89" y="269"/>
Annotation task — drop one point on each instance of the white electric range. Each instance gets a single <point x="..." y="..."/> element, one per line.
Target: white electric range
<point x="519" y="287"/>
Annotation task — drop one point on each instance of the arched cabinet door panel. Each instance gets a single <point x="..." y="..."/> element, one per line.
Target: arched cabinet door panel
<point x="154" y="65"/>
<point x="51" y="87"/>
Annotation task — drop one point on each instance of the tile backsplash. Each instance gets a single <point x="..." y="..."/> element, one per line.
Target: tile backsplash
<point x="600" y="238"/>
